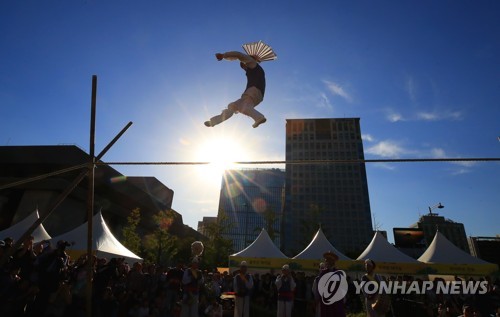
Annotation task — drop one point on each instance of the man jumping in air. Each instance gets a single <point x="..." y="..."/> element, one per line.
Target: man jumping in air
<point x="254" y="92"/>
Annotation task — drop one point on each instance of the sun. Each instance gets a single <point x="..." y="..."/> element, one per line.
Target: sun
<point x="221" y="152"/>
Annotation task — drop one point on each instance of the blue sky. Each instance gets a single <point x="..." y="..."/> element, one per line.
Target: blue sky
<point x="423" y="76"/>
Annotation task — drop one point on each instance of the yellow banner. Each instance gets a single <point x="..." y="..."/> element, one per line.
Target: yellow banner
<point x="258" y="263"/>
<point x="462" y="269"/>
<point x="358" y="266"/>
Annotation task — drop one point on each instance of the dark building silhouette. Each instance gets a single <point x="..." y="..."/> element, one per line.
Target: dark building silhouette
<point x="333" y="195"/>
<point x="206" y="222"/>
<point x="486" y="248"/>
<point x="453" y="231"/>
<point x="116" y="195"/>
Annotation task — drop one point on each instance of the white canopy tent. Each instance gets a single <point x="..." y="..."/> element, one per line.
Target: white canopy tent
<point x="318" y="246"/>
<point x="262" y="247"/>
<point x="17" y="230"/>
<point x="441" y="250"/>
<point x="261" y="256"/>
<point x="380" y="250"/>
<point x="443" y="257"/>
<point x="104" y="243"/>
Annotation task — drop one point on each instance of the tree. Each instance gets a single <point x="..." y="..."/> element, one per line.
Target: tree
<point x="218" y="248"/>
<point x="184" y="248"/>
<point x="131" y="239"/>
<point x="160" y="246"/>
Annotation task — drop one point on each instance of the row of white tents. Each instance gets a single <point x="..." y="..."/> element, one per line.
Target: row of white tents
<point x="441" y="257"/>
<point x="104" y="243"/>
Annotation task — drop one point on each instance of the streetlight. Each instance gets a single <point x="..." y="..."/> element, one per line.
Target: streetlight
<point x="438" y="205"/>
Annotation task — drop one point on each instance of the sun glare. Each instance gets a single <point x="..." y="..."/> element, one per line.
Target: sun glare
<point x="221" y="153"/>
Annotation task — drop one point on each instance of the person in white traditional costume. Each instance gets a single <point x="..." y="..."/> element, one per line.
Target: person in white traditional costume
<point x="191" y="283"/>
<point x="256" y="83"/>
<point x="243" y="285"/>
<point x="285" y="285"/>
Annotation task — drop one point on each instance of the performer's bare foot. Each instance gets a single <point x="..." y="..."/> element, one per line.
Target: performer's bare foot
<point x="259" y="122"/>
<point x="208" y="124"/>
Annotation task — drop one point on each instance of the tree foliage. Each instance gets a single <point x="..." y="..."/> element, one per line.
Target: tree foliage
<point x="218" y="248"/>
<point x="131" y="239"/>
<point x="161" y="246"/>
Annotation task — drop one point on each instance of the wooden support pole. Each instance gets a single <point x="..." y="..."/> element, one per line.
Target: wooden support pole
<point x="90" y="197"/>
<point x="60" y="198"/>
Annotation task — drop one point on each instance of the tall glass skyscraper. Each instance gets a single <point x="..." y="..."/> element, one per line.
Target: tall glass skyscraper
<point x="333" y="195"/>
<point x="251" y="199"/>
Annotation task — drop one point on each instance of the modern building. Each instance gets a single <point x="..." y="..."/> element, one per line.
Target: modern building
<point x="251" y="199"/>
<point x="453" y="231"/>
<point x="115" y="194"/>
<point x="202" y="225"/>
<point x="486" y="248"/>
<point x="329" y="190"/>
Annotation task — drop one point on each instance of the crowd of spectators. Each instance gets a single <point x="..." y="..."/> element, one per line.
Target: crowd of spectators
<point x="42" y="280"/>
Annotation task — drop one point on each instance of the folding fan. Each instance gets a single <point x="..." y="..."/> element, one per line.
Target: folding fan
<point x="260" y="50"/>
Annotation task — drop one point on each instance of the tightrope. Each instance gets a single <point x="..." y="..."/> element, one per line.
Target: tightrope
<point x="306" y="162"/>
<point x="289" y="162"/>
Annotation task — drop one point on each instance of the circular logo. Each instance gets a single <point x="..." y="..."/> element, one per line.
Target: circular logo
<point x="332" y="287"/>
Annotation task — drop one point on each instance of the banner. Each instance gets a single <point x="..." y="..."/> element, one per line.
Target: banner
<point x="258" y="263"/>
<point x="393" y="268"/>
<point x="461" y="269"/>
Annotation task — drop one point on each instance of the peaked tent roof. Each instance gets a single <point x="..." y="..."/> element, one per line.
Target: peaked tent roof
<point x="17" y="230"/>
<point x="441" y="250"/>
<point x="262" y="247"/>
<point x="103" y="241"/>
<point x="318" y="246"/>
<point x="380" y="250"/>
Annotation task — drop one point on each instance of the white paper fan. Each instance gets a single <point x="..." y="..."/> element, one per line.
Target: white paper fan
<point x="260" y="50"/>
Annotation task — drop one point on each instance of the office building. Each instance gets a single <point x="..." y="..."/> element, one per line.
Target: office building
<point x="331" y="194"/>
<point x="251" y="199"/>
<point x="486" y="248"/>
<point x="453" y="231"/>
<point x="204" y="225"/>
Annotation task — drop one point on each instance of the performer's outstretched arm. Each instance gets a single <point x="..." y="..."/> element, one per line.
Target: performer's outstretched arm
<point x="234" y="55"/>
